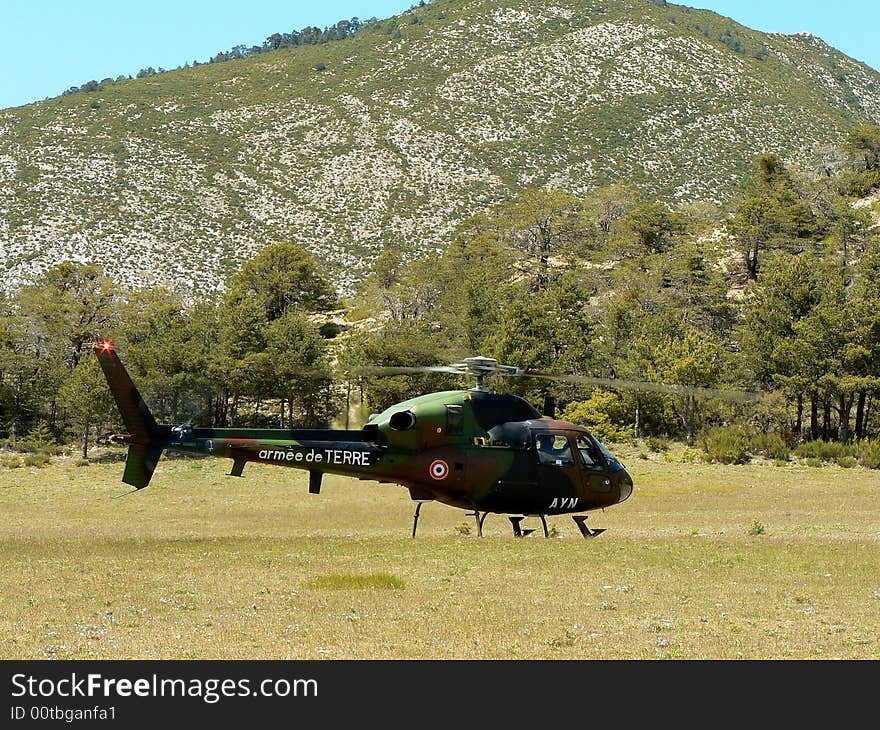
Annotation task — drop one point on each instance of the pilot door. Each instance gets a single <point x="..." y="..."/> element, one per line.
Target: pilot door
<point x="559" y="473"/>
<point x="594" y="473"/>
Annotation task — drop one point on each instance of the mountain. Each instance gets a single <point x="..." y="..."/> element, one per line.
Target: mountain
<point x="395" y="134"/>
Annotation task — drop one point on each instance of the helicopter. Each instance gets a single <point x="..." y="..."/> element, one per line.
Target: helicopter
<point x="475" y="449"/>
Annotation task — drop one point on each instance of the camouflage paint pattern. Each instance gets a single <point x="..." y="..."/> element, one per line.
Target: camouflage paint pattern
<point x="471" y="449"/>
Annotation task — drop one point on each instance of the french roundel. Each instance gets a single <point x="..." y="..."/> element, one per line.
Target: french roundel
<point x="439" y="469"/>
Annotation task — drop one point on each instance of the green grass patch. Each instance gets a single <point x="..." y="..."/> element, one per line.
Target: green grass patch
<point x="343" y="581"/>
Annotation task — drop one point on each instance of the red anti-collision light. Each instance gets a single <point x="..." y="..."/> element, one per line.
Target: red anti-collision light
<point x="105" y="345"/>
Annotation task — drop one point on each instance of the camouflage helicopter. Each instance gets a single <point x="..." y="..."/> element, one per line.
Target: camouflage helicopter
<point x="474" y="449"/>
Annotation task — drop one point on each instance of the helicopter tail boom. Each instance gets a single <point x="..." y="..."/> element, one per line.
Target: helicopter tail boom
<point x="145" y="438"/>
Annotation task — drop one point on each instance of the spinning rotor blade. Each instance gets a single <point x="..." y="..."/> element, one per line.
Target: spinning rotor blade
<point x="509" y="371"/>
<point x="401" y="370"/>
<point x="735" y="396"/>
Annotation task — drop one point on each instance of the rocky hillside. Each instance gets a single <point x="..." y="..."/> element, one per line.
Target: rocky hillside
<point x="398" y="132"/>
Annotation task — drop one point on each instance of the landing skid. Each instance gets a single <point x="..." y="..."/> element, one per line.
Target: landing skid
<point x="516" y="523"/>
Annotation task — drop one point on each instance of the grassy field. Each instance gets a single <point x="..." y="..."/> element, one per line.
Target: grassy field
<point x="703" y="562"/>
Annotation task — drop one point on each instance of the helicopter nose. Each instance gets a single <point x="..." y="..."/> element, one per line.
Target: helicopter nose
<point x="624" y="484"/>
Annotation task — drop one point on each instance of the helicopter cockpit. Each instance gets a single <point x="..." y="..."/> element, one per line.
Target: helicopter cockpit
<point x="569" y="454"/>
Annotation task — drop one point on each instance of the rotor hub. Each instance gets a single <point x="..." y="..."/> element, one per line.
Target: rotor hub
<point x="482" y="367"/>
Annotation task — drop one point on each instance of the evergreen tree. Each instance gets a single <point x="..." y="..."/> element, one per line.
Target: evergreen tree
<point x="773" y="215"/>
<point x="280" y="277"/>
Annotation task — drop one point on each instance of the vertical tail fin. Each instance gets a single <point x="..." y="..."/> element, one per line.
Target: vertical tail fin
<point x="140" y="464"/>
<point x="145" y="437"/>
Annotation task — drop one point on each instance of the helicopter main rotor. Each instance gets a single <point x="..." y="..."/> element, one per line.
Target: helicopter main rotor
<point x="481" y="368"/>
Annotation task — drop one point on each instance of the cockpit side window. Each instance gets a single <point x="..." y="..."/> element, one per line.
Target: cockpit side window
<point x="553" y="449"/>
<point x="590" y="456"/>
<point x="454" y="420"/>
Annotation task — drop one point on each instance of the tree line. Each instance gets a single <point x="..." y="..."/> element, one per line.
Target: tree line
<point x="308" y="36"/>
<point x="778" y="293"/>
<point x="311" y="35"/>
<point x="219" y="362"/>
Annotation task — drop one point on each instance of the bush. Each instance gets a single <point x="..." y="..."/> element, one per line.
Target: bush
<point x="83" y="462"/>
<point x="770" y="445"/>
<point x="683" y="456"/>
<point x="859" y="183"/>
<point x="40" y="440"/>
<point x="868" y="453"/>
<point x="10" y="461"/>
<point x="812" y="461"/>
<point x="807" y="450"/>
<point x="770" y="414"/>
<point x="603" y="414"/>
<point x="656" y="444"/>
<point x="847" y="462"/>
<point x="37" y="459"/>
<point x="824" y="450"/>
<point x="725" y="445"/>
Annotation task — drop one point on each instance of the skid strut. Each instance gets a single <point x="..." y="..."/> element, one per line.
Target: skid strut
<point x="416" y="517"/>
<point x="581" y="522"/>
<point x="518" y="531"/>
<point x="479" y="520"/>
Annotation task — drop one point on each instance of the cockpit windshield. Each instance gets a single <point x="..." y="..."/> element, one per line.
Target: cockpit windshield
<point x="590" y="456"/>
<point x="613" y="463"/>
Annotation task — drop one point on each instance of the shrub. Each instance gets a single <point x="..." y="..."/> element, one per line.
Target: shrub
<point x="10" y="461"/>
<point x="770" y="413"/>
<point x="36" y="459"/>
<point x="812" y="461"/>
<point x="757" y="528"/>
<point x="39" y="439"/>
<point x="770" y="445"/>
<point x="824" y="450"/>
<point x="847" y="462"/>
<point x="725" y="445"/>
<point x="806" y="450"/>
<point x="868" y="453"/>
<point x="859" y="183"/>
<point x="656" y="444"/>
<point x="83" y="462"/>
<point x="603" y="414"/>
<point x="682" y="456"/>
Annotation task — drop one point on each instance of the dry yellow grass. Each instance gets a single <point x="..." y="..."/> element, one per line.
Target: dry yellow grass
<point x="703" y="561"/>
